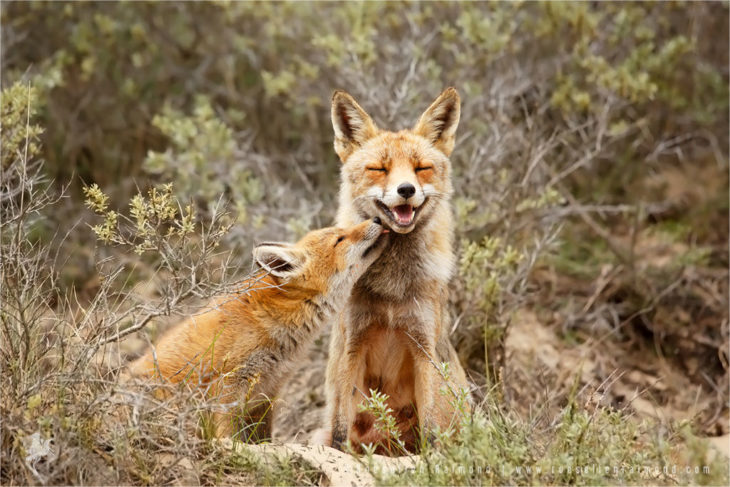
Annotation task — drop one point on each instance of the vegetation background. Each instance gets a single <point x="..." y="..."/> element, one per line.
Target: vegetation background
<point x="591" y="175"/>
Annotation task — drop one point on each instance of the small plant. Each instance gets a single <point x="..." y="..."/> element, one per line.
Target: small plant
<point x="159" y="226"/>
<point x="31" y="328"/>
<point x="484" y="268"/>
<point x="376" y="404"/>
<point x="582" y="447"/>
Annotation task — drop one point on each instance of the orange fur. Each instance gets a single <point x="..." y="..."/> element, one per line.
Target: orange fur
<point x="240" y="350"/>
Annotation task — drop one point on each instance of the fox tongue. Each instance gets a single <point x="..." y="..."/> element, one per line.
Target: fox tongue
<point x="403" y="214"/>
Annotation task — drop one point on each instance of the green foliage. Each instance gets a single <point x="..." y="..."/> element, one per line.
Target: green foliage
<point x="582" y="448"/>
<point x="385" y="422"/>
<point x="482" y="266"/>
<point x="156" y="217"/>
<point x="484" y="269"/>
<point x="253" y="65"/>
<point x="203" y="159"/>
<point x="20" y="139"/>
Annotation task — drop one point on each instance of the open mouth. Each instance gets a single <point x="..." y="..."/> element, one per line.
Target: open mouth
<point x="401" y="215"/>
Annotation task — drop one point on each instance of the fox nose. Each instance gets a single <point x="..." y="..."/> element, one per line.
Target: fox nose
<point x="377" y="220"/>
<point x="406" y="190"/>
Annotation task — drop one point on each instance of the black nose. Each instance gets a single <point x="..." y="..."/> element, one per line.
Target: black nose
<point x="377" y="220"/>
<point x="406" y="190"/>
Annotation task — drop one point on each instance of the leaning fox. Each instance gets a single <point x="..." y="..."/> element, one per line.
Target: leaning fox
<point x="242" y="349"/>
<point x="394" y="329"/>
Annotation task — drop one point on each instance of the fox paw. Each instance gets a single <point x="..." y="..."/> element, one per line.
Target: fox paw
<point x="321" y="436"/>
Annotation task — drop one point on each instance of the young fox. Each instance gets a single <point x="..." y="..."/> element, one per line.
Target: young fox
<point x="243" y="348"/>
<point x="394" y="329"/>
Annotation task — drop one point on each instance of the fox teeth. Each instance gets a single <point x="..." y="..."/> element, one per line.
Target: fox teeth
<point x="403" y="214"/>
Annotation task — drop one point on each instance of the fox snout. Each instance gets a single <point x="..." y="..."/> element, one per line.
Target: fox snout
<point x="376" y="229"/>
<point x="406" y="190"/>
<point x="369" y="230"/>
<point x="372" y="237"/>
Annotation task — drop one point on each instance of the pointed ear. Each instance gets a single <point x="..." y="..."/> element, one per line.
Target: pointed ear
<point x="353" y="127"/>
<point x="280" y="259"/>
<point x="438" y="123"/>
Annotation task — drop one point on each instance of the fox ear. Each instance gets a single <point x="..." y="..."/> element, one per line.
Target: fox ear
<point x="438" y="123"/>
<point x="353" y="127"/>
<point x="279" y="259"/>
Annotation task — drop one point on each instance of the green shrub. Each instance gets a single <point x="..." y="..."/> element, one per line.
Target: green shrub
<point x="581" y="448"/>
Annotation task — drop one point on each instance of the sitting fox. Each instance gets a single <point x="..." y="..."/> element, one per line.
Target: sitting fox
<point x="242" y="349"/>
<point x="394" y="329"/>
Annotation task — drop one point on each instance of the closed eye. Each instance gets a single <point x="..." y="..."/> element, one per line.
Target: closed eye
<point x="379" y="169"/>
<point x="424" y="168"/>
<point x="339" y="239"/>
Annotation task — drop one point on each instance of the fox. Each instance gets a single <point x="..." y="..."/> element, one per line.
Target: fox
<point x="241" y="349"/>
<point x="394" y="328"/>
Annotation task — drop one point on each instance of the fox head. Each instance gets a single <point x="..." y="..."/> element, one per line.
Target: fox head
<point x="401" y="176"/>
<point x="327" y="261"/>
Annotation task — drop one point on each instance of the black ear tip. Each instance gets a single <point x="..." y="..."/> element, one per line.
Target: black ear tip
<point x="377" y="220"/>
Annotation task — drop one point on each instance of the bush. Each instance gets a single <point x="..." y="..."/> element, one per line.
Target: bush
<point x="581" y="125"/>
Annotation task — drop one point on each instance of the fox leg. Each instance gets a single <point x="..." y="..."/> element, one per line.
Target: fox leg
<point x="246" y="425"/>
<point x="248" y="395"/>
<point x="335" y="364"/>
<point x="423" y="349"/>
<point x="255" y="425"/>
<point x="345" y="397"/>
